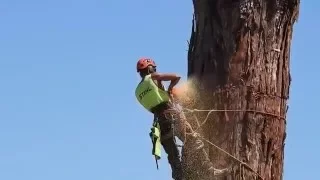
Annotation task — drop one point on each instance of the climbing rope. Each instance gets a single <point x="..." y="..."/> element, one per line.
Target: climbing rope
<point x="241" y="163"/>
<point x="186" y="110"/>
<point x="235" y="158"/>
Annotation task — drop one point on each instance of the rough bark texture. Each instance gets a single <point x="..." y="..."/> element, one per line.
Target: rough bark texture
<point x="239" y="53"/>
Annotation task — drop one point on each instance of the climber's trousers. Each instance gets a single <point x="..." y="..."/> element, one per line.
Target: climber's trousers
<point x="174" y="124"/>
<point x="170" y="147"/>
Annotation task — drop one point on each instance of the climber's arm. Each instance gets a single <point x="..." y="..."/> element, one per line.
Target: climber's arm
<point x="174" y="78"/>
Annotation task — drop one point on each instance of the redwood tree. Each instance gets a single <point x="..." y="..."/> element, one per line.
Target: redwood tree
<point x="239" y="53"/>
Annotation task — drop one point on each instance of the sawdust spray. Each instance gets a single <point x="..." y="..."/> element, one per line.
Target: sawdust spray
<point x="185" y="92"/>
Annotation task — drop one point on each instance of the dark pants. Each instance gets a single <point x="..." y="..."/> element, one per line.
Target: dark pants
<point x="167" y="124"/>
<point x="173" y="123"/>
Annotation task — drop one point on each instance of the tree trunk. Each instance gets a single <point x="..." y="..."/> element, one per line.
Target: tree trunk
<point x="239" y="54"/>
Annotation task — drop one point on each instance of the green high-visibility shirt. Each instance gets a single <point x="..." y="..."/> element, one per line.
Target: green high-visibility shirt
<point x="149" y="94"/>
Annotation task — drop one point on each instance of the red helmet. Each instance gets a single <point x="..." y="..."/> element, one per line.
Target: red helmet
<point x="145" y="62"/>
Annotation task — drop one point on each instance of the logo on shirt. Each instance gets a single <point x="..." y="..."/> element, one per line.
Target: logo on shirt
<point x="141" y="95"/>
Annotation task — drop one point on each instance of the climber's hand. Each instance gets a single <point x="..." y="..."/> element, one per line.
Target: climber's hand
<point x="170" y="90"/>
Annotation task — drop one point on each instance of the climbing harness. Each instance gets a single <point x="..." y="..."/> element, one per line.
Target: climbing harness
<point x="172" y="116"/>
<point x="155" y="133"/>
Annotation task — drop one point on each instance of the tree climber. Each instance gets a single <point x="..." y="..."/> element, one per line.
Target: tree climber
<point x="152" y="95"/>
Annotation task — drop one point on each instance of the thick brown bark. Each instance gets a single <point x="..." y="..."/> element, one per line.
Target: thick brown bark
<point x="239" y="53"/>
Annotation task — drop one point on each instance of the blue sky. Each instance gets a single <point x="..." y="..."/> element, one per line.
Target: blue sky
<point x="67" y="75"/>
